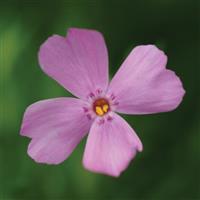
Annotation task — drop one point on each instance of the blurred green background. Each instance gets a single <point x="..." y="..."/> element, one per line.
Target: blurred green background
<point x="168" y="168"/>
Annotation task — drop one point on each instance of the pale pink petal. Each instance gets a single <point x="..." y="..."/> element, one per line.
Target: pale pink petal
<point x="143" y="85"/>
<point x="56" y="126"/>
<point x="78" y="62"/>
<point x="53" y="148"/>
<point x="110" y="146"/>
<point x="54" y="116"/>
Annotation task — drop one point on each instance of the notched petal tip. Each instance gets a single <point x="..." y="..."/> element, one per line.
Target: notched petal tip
<point x="44" y="47"/>
<point x="78" y="61"/>
<point x="151" y="47"/>
<point x="178" y="89"/>
<point x="56" y="126"/>
<point x="39" y="159"/>
<point x="23" y="129"/>
<point x="113" y="173"/>
<point x="151" y="88"/>
<point x="101" y="172"/>
<point x="110" y="147"/>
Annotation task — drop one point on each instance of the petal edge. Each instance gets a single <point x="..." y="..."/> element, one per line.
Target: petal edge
<point x="78" y="62"/>
<point x="143" y="85"/>
<point x="110" y="147"/>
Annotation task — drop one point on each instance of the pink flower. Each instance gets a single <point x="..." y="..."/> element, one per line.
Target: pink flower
<point x="79" y="62"/>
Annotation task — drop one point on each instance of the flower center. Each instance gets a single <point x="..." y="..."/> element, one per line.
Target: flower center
<point x="101" y="106"/>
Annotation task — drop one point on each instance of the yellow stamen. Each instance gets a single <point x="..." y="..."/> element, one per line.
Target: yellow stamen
<point x="99" y="110"/>
<point x="105" y="108"/>
<point x="101" y="106"/>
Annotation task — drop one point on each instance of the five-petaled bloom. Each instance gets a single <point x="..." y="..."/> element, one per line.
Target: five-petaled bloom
<point x="79" y="62"/>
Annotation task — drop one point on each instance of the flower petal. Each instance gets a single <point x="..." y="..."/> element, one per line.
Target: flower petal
<point x="60" y="115"/>
<point x="78" y="62"/>
<point x="56" y="126"/>
<point x="53" y="149"/>
<point x="143" y="85"/>
<point x="111" y="146"/>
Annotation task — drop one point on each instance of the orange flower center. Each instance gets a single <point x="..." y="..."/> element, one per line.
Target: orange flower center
<point x="101" y="106"/>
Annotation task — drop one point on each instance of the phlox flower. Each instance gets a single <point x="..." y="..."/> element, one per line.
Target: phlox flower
<point x="79" y="62"/>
